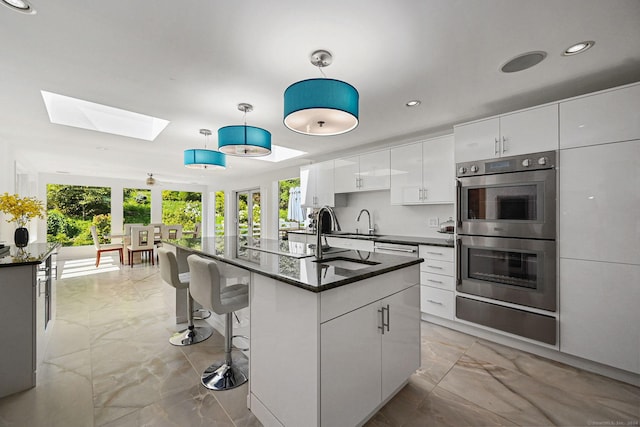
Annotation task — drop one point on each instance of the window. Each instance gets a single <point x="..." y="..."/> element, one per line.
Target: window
<point x="73" y="209"/>
<point x="182" y="207"/>
<point x="219" y="213"/>
<point x="136" y="206"/>
<point x="291" y="215"/>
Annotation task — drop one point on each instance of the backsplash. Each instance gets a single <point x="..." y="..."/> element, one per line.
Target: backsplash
<point x="388" y="219"/>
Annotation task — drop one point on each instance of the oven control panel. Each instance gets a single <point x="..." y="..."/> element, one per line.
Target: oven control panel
<point x="524" y="162"/>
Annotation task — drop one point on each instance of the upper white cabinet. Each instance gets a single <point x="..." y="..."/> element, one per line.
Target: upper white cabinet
<point x="522" y="132"/>
<point x="365" y="172"/>
<point x="316" y="185"/>
<point x="602" y="117"/>
<point x="423" y="173"/>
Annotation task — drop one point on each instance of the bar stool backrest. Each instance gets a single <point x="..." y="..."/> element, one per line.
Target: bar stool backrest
<point x="204" y="286"/>
<point x="169" y="268"/>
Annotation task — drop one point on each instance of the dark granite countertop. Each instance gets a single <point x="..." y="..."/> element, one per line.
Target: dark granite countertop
<point x="34" y="253"/>
<point x="446" y="241"/>
<point x="294" y="262"/>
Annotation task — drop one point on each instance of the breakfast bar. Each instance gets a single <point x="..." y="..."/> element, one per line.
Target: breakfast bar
<point x="331" y="339"/>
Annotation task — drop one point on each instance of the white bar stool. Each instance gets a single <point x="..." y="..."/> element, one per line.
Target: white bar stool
<point x="206" y="288"/>
<point x="169" y="273"/>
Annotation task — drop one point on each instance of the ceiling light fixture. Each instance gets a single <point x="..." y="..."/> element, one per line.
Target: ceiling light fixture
<point x="323" y="106"/>
<point x="243" y="140"/>
<point x="413" y="103"/>
<point x="197" y="158"/>
<point x="150" y="180"/>
<point x="578" y="48"/>
<point x="21" y="6"/>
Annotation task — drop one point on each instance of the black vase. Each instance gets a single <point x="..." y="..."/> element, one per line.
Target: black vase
<point x="21" y="237"/>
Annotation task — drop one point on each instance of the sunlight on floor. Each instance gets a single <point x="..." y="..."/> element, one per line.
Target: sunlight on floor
<point x="87" y="267"/>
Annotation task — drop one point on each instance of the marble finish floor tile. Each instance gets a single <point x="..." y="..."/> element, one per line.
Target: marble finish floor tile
<point x="110" y="364"/>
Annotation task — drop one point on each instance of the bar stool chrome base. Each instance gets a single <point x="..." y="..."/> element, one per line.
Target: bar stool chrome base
<point x="191" y="336"/>
<point x="221" y="377"/>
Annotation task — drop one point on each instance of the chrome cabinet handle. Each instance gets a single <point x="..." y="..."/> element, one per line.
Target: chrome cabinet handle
<point x="434" y="302"/>
<point x="434" y="281"/>
<point x="434" y="266"/>
<point x="388" y="318"/>
<point x="435" y="253"/>
<point x="381" y="311"/>
<point x="496" y="150"/>
<point x="419" y="193"/>
<point x="504" y="144"/>
<point x="424" y="194"/>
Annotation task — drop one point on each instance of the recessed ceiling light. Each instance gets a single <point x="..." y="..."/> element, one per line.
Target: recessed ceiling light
<point x="21" y="6"/>
<point x="523" y="61"/>
<point x="578" y="48"/>
<point x="413" y="103"/>
<point x="64" y="110"/>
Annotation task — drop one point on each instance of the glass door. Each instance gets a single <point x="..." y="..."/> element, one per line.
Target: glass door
<point x="248" y="217"/>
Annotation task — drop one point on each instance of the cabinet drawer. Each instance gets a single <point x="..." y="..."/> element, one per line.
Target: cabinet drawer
<point x="436" y="253"/>
<point x="437" y="281"/>
<point x="437" y="302"/>
<point x="437" y="267"/>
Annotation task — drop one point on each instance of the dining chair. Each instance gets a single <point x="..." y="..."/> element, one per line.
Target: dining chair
<point x="197" y="230"/>
<point x="173" y="231"/>
<point x="142" y="242"/>
<point x="100" y="248"/>
<point x="157" y="230"/>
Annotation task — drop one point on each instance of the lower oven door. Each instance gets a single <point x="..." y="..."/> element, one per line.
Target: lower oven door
<point x="518" y="271"/>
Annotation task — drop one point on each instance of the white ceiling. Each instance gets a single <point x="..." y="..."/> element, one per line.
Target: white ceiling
<point x="192" y="62"/>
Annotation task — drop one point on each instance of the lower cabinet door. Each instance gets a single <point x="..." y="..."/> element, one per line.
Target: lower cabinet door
<point x="401" y="341"/>
<point x="350" y="366"/>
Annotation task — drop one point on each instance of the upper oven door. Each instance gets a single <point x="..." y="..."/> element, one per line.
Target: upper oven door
<point x="517" y="204"/>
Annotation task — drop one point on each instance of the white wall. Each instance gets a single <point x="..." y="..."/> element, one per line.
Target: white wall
<point x="388" y="219"/>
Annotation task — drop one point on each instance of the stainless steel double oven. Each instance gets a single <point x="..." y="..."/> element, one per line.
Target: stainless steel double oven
<point x="506" y="214"/>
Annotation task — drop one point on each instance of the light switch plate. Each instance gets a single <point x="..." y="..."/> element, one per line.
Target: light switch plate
<point x="433" y="222"/>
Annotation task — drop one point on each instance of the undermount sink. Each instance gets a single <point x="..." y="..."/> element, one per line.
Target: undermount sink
<point x="346" y="263"/>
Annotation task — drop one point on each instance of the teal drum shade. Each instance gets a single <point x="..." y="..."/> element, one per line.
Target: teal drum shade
<point x="321" y="107"/>
<point x="198" y="158"/>
<point x="243" y="140"/>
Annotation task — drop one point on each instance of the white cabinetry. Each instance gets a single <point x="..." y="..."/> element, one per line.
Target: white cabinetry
<point x="437" y="281"/>
<point x="521" y="132"/>
<point x="600" y="203"/>
<point x="373" y="349"/>
<point x="365" y="172"/>
<point x="599" y="314"/>
<point x="423" y="172"/>
<point x="316" y="185"/>
<point x="603" y="117"/>
<point x="599" y="228"/>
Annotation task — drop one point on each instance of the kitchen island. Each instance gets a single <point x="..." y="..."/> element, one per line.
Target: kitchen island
<point x="331" y="340"/>
<point x="27" y="307"/>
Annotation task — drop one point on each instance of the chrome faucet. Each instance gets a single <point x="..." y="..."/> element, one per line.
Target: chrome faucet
<point x="319" y="230"/>
<point x="371" y="229"/>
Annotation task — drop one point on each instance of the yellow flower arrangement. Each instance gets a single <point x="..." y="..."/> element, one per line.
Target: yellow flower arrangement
<point x="21" y="209"/>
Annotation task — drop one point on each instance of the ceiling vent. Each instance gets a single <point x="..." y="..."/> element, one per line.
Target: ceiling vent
<point x="524" y="61"/>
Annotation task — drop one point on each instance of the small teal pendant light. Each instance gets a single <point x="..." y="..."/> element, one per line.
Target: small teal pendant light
<point x="243" y="140"/>
<point x="323" y="106"/>
<point x="197" y="158"/>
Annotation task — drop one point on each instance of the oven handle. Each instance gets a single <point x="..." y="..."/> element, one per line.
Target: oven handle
<point x="459" y="201"/>
<point x="458" y="262"/>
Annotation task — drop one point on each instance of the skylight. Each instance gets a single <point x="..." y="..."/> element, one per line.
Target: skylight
<point x="279" y="154"/>
<point x="64" y="110"/>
